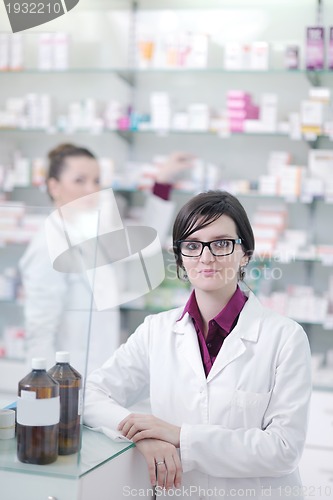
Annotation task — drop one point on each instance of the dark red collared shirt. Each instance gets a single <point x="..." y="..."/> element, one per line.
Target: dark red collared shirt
<point x="218" y="327"/>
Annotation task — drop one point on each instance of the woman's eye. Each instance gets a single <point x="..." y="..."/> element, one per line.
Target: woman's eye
<point x="221" y="243"/>
<point x="192" y="246"/>
<point x="79" y="180"/>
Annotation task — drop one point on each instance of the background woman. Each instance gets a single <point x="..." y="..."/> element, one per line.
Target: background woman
<point x="57" y="305"/>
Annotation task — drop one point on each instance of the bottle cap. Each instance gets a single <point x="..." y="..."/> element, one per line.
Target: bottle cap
<point x="7" y="424"/>
<point x="62" y="357"/>
<point x="38" y="363"/>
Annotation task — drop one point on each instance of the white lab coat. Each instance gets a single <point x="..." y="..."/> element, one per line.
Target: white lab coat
<point x="243" y="427"/>
<point x="58" y="306"/>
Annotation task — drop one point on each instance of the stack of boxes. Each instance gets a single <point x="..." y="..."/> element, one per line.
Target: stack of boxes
<point x="245" y="116"/>
<point x="269" y="222"/>
<point x="321" y="173"/>
<point x="283" y="179"/>
<point x="239" y="109"/>
<point x="294" y="181"/>
<point x="11" y="52"/>
<point x="315" y="111"/>
<point x="53" y="51"/>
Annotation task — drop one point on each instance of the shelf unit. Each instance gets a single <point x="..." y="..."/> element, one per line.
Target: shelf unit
<point x="97" y="25"/>
<point x="94" y="68"/>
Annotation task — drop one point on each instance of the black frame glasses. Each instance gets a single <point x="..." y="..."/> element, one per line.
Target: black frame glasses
<point x="208" y="244"/>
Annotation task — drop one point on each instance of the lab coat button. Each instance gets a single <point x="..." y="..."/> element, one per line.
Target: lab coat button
<point x="201" y="389"/>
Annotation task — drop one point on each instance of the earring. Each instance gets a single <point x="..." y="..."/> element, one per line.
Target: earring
<point x="184" y="277"/>
<point x="241" y="273"/>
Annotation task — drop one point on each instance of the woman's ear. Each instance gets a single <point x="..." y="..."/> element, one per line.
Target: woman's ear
<point x="245" y="260"/>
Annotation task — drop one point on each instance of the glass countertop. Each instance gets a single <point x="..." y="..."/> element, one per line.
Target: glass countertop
<point x="96" y="450"/>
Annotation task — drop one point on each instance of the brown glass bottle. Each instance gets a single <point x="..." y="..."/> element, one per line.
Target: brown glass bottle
<point x="38" y="413"/>
<point x="70" y="382"/>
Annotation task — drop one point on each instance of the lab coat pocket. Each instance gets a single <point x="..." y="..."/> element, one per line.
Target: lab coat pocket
<point x="247" y="409"/>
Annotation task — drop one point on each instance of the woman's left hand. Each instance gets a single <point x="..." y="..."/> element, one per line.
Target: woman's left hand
<point x="141" y="426"/>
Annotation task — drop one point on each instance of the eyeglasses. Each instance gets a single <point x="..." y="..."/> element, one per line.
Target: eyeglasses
<point x="218" y="248"/>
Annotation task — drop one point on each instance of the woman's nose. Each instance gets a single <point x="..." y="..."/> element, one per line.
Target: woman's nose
<point x="91" y="188"/>
<point x="206" y="255"/>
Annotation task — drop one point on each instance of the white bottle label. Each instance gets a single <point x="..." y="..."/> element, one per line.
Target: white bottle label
<point x="38" y="412"/>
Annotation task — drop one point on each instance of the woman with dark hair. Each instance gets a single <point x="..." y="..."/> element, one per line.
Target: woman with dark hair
<point x="59" y="311"/>
<point x="228" y="380"/>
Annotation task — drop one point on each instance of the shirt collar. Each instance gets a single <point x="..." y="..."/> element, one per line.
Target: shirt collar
<point x="225" y="318"/>
<point x="191" y="307"/>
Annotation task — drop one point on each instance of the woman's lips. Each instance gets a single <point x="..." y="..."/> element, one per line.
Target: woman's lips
<point x="208" y="272"/>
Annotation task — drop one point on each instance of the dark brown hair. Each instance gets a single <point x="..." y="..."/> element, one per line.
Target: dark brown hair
<point x="57" y="159"/>
<point x="58" y="155"/>
<point x="206" y="208"/>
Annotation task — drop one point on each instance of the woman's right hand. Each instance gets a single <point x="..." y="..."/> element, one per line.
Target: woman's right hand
<point x="174" y="165"/>
<point x="163" y="462"/>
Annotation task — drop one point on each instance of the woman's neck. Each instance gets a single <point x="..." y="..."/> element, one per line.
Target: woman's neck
<point x="211" y="303"/>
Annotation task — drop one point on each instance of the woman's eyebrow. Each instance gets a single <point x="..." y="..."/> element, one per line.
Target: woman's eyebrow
<point x="219" y="237"/>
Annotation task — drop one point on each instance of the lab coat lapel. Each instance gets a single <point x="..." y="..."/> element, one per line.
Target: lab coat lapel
<point x="247" y="329"/>
<point x="229" y="351"/>
<point x="189" y="345"/>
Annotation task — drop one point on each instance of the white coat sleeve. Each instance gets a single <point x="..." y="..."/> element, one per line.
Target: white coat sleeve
<point x="276" y="448"/>
<point x="121" y="382"/>
<point x="158" y="214"/>
<point x="45" y="297"/>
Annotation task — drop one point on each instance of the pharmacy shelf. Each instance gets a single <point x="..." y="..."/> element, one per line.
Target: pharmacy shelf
<point x="103" y="6"/>
<point x="325" y="388"/>
<point x="256" y="195"/>
<point x="266" y="259"/>
<point x="10" y="244"/>
<point x="151" y="309"/>
<point x="171" y="77"/>
<point x="188" y="5"/>
<point x="119" y="188"/>
<point x="163" y="70"/>
<point x="127" y="133"/>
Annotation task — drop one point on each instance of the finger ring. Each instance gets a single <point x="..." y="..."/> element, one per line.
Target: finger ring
<point x="160" y="462"/>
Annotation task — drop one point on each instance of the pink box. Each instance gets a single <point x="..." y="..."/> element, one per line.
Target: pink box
<point x="251" y="112"/>
<point x="330" y="50"/>
<point x="315" y="39"/>
<point x="239" y="104"/>
<point x="237" y="114"/>
<point x="236" y="125"/>
<point x="239" y="94"/>
<point x="123" y="123"/>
